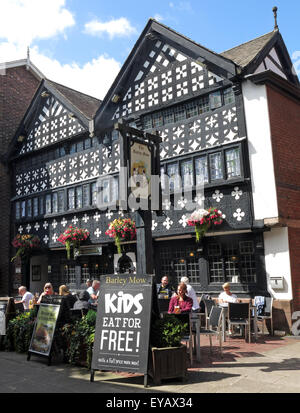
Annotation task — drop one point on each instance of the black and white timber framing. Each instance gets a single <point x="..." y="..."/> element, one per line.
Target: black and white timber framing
<point x="192" y="98"/>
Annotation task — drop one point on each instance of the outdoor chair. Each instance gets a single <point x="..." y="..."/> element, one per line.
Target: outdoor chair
<point x="266" y="314"/>
<point x="214" y="327"/>
<point x="239" y="314"/>
<point x="209" y="304"/>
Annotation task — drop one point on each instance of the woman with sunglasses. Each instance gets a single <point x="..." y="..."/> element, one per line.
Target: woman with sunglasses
<point x="48" y="290"/>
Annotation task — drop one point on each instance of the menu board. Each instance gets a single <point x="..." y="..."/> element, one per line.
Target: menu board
<point x="44" y="328"/>
<point x="123" y="323"/>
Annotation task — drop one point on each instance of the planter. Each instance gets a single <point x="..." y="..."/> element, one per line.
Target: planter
<point x="168" y="363"/>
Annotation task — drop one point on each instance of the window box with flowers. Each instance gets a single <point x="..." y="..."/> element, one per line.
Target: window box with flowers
<point x="121" y="230"/>
<point x="72" y="238"/>
<point x="25" y="244"/>
<point x="203" y="219"/>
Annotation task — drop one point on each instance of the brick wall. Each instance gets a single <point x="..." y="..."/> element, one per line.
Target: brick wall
<point x="284" y="114"/>
<point x="17" y="87"/>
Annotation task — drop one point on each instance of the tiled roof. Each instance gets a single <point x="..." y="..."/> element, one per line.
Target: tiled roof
<point x="243" y="54"/>
<point x="86" y="104"/>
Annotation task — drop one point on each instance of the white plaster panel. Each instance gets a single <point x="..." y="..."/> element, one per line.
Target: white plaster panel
<point x="260" y="151"/>
<point x="277" y="259"/>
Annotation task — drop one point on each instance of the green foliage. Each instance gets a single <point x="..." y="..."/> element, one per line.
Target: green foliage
<point x="79" y="338"/>
<point x="167" y="332"/>
<point x="18" y="333"/>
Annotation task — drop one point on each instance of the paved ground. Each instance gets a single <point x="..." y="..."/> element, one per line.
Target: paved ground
<point x="272" y="365"/>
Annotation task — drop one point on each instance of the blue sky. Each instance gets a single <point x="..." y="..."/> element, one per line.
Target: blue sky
<point x="84" y="43"/>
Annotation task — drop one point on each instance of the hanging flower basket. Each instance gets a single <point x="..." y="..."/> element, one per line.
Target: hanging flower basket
<point x="203" y="219"/>
<point x="25" y="244"/>
<point x="121" y="230"/>
<point x="72" y="237"/>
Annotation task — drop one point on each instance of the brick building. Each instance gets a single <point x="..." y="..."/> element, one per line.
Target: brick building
<point x="18" y="83"/>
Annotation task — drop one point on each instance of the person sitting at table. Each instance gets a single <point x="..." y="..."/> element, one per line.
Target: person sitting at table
<point x="83" y="301"/>
<point x="165" y="288"/>
<point x="64" y="291"/>
<point x="26" y="297"/>
<point x="180" y="303"/>
<point x="48" y="290"/>
<point x="191" y="293"/>
<point x="226" y="296"/>
<point x="94" y="292"/>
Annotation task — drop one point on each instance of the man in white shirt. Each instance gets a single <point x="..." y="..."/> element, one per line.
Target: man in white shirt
<point x="191" y="293"/>
<point x="226" y="296"/>
<point x="26" y="297"/>
<point x="94" y="292"/>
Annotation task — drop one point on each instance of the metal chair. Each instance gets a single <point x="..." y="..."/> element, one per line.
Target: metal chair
<point x="267" y="314"/>
<point x="239" y="314"/>
<point x="209" y="304"/>
<point x="214" y="327"/>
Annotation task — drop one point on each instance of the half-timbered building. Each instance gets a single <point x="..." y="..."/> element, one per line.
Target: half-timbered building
<point x="213" y="113"/>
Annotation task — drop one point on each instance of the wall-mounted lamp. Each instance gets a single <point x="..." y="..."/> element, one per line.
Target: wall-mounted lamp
<point x="191" y="254"/>
<point x="45" y="94"/>
<point x="182" y="261"/>
<point x="115" y="98"/>
<point x="234" y="259"/>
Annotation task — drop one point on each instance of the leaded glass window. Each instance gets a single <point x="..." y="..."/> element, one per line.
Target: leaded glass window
<point x="191" y="109"/>
<point x="94" y="193"/>
<point x="233" y="165"/>
<point x="61" y="201"/>
<point x="55" y="203"/>
<point x="215" y="100"/>
<point x="228" y="96"/>
<point x="157" y="119"/>
<point x="48" y="204"/>
<point x="216" y="170"/>
<point x="78" y="197"/>
<point x="187" y="173"/>
<point x="71" y="198"/>
<point x="201" y="170"/>
<point x="35" y="207"/>
<point x="23" y="209"/>
<point x="174" y="178"/>
<point x="85" y="195"/>
<point x="179" y="113"/>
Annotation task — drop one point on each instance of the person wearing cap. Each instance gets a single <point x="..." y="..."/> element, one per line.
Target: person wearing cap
<point x="191" y="293"/>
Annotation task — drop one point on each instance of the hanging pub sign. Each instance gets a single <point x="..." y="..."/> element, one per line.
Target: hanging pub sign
<point x="123" y="324"/>
<point x="139" y="173"/>
<point x="44" y="329"/>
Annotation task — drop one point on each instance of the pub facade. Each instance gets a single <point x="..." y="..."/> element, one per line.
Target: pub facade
<point x="211" y="112"/>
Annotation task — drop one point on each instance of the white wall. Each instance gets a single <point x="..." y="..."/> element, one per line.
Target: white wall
<point x="277" y="259"/>
<point x="260" y="151"/>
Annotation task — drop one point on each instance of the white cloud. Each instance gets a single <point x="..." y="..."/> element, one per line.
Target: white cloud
<point x="181" y="6"/>
<point x="93" y="78"/>
<point x="159" y="17"/>
<point x="114" y="28"/>
<point x="23" y="21"/>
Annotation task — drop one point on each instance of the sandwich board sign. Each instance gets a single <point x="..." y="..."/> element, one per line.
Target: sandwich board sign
<point x="43" y="332"/>
<point x="123" y="324"/>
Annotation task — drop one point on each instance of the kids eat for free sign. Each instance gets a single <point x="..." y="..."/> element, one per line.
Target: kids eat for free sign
<point x="123" y="323"/>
